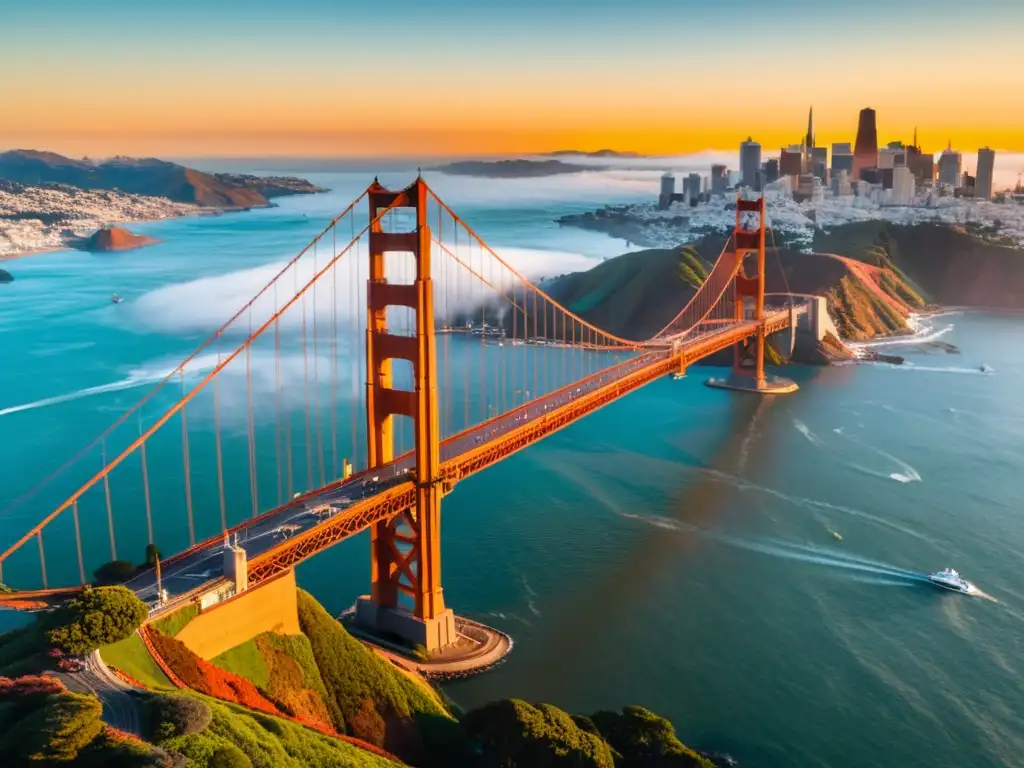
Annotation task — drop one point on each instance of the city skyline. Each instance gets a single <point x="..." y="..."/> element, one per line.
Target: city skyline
<point x="311" y="79"/>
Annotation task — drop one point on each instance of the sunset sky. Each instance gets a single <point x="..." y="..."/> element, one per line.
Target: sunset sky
<point x="471" y="77"/>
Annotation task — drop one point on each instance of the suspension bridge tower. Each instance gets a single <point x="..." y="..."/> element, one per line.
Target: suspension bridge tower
<point x="406" y="599"/>
<point x="748" y="241"/>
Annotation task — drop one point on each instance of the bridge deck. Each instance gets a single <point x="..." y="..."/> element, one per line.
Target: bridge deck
<point x="378" y="494"/>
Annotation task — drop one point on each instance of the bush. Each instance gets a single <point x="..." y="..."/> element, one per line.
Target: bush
<point x="180" y="716"/>
<point x="230" y="756"/>
<point x="513" y="733"/>
<point x="97" y="617"/>
<point x="641" y="738"/>
<point x="60" y="729"/>
<point x="114" y="572"/>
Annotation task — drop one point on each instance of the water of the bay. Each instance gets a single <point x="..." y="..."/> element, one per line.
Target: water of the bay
<point x="677" y="549"/>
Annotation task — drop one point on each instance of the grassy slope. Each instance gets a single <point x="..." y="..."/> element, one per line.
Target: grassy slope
<point x="634" y="295"/>
<point x="352" y="673"/>
<point x="131" y="657"/>
<point x="246" y="661"/>
<point x="269" y="742"/>
<point x="947" y="265"/>
<point x="173" y="623"/>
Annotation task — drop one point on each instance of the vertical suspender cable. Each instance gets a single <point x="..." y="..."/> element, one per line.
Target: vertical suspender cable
<point x="217" y="442"/>
<point x="316" y="379"/>
<point x="252" y="429"/>
<point x="42" y="558"/>
<point x="78" y="542"/>
<point x="145" y="484"/>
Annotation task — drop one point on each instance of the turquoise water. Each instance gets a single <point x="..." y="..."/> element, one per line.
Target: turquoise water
<point x="673" y="550"/>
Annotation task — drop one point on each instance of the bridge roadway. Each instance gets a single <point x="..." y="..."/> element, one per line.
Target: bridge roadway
<point x="262" y="536"/>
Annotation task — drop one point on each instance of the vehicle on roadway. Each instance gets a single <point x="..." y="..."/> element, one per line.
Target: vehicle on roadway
<point x="949" y="579"/>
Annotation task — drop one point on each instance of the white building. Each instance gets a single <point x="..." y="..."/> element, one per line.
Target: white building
<point x="950" y="167"/>
<point x="903" y="186"/>
<point x="892" y="157"/>
<point x="983" y="178"/>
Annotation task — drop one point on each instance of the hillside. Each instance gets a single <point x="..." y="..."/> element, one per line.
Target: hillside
<point x="953" y="266"/>
<point x="148" y="176"/>
<point x="635" y="295"/>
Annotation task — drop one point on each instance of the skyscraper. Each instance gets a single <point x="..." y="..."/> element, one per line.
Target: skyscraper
<point x="718" y="178"/>
<point x="983" y="177"/>
<point x="842" y="159"/>
<point x="865" y="153"/>
<point x="791" y="160"/>
<point x="807" y="155"/>
<point x="949" y="166"/>
<point x="668" y="186"/>
<point x="750" y="162"/>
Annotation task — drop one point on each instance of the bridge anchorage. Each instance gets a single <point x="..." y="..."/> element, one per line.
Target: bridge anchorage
<point x="455" y="361"/>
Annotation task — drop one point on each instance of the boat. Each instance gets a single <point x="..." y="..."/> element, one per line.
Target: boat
<point x="116" y="299"/>
<point x="836" y="536"/>
<point x="949" y="579"/>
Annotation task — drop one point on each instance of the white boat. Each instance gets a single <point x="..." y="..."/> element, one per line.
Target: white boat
<point x="947" y="578"/>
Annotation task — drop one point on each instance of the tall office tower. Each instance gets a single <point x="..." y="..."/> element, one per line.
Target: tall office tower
<point x="770" y="171"/>
<point x="949" y="166"/>
<point x="791" y="160"/>
<point x="750" y="162"/>
<point x="718" y="179"/>
<point x="693" y="182"/>
<point x="842" y="158"/>
<point x="668" y="186"/>
<point x="819" y="167"/>
<point x="983" y="178"/>
<point x="865" y="154"/>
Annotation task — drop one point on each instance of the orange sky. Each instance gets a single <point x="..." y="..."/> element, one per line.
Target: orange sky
<point x="291" y="94"/>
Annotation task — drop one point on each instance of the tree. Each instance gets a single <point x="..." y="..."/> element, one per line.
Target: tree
<point x="98" y="616"/>
<point x="181" y="716"/>
<point x="114" y="572"/>
<point x="513" y="733"/>
<point x="152" y="555"/>
<point x="642" y="739"/>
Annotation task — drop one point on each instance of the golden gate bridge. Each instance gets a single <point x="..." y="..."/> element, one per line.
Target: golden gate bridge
<point x="394" y="356"/>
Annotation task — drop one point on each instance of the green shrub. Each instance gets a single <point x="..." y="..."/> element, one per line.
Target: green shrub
<point x="58" y="730"/>
<point x="114" y="572"/>
<point x="229" y="756"/>
<point x="513" y="733"/>
<point x="98" y="616"/>
<point x="641" y="738"/>
<point x="180" y="715"/>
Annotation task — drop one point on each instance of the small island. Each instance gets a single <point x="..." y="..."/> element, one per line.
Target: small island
<point x="6" y="277"/>
<point x="513" y="169"/>
<point x="113" y="239"/>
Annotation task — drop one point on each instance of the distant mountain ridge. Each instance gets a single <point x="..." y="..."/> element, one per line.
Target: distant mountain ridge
<point x="512" y="169"/>
<point x="598" y="153"/>
<point x="146" y="176"/>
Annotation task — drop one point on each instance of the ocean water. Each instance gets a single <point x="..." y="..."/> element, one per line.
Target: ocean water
<point x="674" y="550"/>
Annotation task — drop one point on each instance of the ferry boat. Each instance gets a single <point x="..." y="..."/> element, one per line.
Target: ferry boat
<point x="950" y="579"/>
